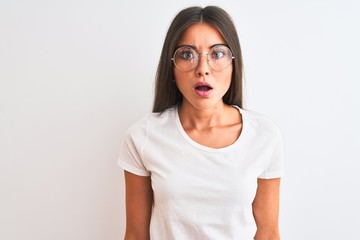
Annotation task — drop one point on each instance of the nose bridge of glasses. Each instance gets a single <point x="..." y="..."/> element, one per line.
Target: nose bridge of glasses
<point x="206" y="56"/>
<point x="202" y="62"/>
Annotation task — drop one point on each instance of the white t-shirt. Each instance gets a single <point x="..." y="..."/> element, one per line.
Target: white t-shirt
<point x="202" y="192"/>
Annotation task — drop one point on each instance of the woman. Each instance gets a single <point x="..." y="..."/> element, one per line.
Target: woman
<point x="200" y="166"/>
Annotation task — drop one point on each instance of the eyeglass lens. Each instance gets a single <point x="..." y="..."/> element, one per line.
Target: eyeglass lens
<point x="186" y="58"/>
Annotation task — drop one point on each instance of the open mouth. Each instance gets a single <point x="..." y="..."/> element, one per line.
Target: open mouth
<point x="203" y="89"/>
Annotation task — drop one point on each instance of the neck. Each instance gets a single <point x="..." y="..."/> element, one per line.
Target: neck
<point x="196" y="118"/>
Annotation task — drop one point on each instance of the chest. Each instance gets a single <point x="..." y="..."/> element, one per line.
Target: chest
<point x="190" y="178"/>
<point x="218" y="137"/>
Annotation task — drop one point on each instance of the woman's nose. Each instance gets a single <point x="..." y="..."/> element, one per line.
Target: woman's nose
<point x="202" y="68"/>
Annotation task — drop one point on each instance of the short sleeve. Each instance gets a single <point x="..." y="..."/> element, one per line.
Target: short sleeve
<point x="275" y="166"/>
<point x="130" y="158"/>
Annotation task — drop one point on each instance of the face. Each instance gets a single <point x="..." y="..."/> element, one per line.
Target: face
<point x="204" y="86"/>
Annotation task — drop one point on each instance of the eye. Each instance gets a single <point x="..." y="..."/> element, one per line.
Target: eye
<point x="186" y="54"/>
<point x="217" y="53"/>
<point x="220" y="52"/>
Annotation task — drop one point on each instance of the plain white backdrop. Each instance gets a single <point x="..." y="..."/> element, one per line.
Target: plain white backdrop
<point x="75" y="74"/>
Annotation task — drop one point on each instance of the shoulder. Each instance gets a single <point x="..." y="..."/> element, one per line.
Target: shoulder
<point x="150" y="120"/>
<point x="260" y="122"/>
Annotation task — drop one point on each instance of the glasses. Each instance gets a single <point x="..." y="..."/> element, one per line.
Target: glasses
<point x="218" y="58"/>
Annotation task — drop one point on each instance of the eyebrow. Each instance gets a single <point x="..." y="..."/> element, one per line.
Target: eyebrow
<point x="194" y="47"/>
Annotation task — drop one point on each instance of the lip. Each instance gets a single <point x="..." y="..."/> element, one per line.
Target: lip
<point x="202" y="92"/>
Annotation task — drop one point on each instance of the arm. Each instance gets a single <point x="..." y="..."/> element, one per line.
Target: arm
<point x="139" y="200"/>
<point x="266" y="209"/>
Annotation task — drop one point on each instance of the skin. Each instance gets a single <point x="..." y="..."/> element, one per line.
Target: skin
<point x="139" y="200"/>
<point x="204" y="119"/>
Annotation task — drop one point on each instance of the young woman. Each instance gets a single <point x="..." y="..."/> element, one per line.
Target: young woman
<point x="200" y="166"/>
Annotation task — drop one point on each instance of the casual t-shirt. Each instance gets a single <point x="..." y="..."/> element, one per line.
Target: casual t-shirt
<point x="202" y="192"/>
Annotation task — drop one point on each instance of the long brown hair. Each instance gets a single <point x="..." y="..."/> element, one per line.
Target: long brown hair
<point x="167" y="94"/>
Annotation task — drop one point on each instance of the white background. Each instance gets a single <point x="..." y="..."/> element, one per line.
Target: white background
<point x="75" y="74"/>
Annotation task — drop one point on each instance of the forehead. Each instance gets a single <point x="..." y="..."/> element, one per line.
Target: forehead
<point x="201" y="36"/>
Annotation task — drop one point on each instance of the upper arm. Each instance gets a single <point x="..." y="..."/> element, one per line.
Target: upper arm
<point x="266" y="209"/>
<point x="139" y="200"/>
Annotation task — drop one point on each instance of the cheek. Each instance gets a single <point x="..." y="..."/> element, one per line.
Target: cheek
<point x="178" y="75"/>
<point x="225" y="77"/>
<point x="182" y="81"/>
<point x="230" y="73"/>
<point x="182" y="77"/>
<point x="175" y="73"/>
